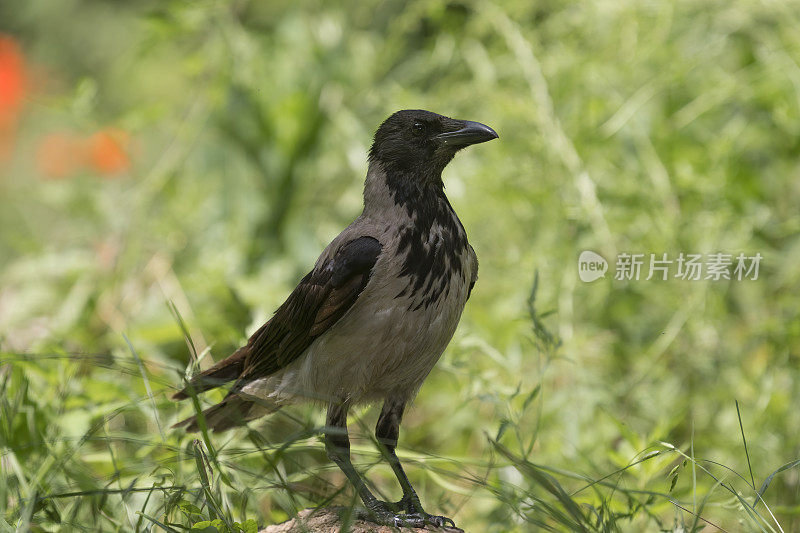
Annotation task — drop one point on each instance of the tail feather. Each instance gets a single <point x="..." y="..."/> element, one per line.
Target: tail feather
<point x="224" y="371"/>
<point x="235" y="410"/>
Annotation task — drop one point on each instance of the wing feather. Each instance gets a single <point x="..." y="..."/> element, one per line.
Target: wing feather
<point x="321" y="298"/>
<point x="318" y="302"/>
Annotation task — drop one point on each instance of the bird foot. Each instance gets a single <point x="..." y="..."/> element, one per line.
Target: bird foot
<point x="435" y="520"/>
<point x="385" y="515"/>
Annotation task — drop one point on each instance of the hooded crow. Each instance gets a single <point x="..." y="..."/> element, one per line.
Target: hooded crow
<point x="369" y="322"/>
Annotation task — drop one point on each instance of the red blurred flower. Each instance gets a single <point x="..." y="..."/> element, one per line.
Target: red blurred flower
<point x="59" y="155"/>
<point x="13" y="84"/>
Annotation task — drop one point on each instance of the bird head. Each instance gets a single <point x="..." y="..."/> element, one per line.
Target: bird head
<point x="421" y="143"/>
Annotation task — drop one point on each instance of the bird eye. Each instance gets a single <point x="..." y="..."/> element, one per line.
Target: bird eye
<point x="418" y="128"/>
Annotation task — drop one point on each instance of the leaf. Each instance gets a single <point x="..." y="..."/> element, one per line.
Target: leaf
<point x="249" y="526"/>
<point x="205" y="526"/>
<point x="767" y="481"/>
<point x="504" y="423"/>
<point x="189" y="507"/>
<point x="673" y="483"/>
<point x="534" y="393"/>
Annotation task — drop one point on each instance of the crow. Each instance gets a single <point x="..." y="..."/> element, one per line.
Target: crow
<point x="371" y="319"/>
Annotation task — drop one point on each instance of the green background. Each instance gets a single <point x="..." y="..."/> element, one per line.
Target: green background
<point x="638" y="127"/>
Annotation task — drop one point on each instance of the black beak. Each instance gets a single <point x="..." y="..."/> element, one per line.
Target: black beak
<point x="470" y="133"/>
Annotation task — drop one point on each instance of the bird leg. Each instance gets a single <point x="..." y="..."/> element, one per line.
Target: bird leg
<point x="387" y="431"/>
<point x="337" y="444"/>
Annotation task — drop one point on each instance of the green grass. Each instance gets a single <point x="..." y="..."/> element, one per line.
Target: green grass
<point x="560" y="405"/>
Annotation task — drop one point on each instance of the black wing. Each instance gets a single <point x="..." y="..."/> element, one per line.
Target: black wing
<point x="320" y="299"/>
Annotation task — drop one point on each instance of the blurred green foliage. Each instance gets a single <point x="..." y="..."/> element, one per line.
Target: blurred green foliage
<point x="607" y="406"/>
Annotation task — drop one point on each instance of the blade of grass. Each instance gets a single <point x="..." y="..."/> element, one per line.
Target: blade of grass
<point x="548" y="482"/>
<point x="744" y="440"/>
<point x="146" y="386"/>
<point x="767" y="481"/>
<point x="184" y="329"/>
<point x="162" y="525"/>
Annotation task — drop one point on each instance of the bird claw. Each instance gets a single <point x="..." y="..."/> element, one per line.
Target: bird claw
<point x="441" y="521"/>
<point x="407" y="521"/>
<point x="415" y="520"/>
<point x="432" y="520"/>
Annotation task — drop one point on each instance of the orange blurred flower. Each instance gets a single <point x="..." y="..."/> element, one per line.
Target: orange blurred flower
<point x="13" y="83"/>
<point x="108" y="151"/>
<point x="59" y="155"/>
<point x="62" y="155"/>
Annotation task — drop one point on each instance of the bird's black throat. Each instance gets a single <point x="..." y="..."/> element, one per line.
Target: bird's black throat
<point x="434" y="240"/>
